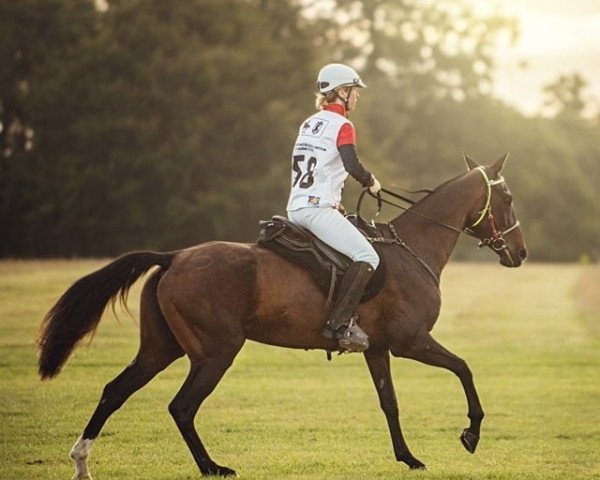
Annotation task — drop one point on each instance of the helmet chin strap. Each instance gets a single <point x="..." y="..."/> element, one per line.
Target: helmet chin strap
<point x="345" y="100"/>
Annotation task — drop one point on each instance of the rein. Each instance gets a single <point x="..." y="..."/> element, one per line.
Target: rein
<point x="381" y="200"/>
<point x="487" y="210"/>
<point x="496" y="241"/>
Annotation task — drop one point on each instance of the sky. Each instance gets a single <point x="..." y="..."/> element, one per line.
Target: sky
<point x="557" y="37"/>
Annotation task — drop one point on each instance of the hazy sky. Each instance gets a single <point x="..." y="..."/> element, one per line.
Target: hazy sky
<point x="557" y="37"/>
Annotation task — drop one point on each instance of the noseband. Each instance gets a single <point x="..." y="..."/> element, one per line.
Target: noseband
<point x="496" y="240"/>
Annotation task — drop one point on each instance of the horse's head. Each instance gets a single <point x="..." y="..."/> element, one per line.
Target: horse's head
<point x="496" y="224"/>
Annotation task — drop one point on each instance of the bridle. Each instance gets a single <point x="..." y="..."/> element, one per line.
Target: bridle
<point x="496" y="241"/>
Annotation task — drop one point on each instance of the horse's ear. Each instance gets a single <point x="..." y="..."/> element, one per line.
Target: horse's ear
<point x="471" y="164"/>
<point x="498" y="166"/>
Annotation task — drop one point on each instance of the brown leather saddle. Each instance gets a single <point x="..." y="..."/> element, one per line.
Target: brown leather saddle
<point x="326" y="265"/>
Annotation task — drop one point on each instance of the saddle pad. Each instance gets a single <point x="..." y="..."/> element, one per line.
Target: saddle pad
<point x="302" y="248"/>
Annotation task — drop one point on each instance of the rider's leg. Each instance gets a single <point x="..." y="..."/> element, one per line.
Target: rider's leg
<point x="342" y="324"/>
<point x="332" y="228"/>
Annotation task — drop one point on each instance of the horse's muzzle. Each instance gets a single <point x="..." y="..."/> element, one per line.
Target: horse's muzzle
<point x="511" y="260"/>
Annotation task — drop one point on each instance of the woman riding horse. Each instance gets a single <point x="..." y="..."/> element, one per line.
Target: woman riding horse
<point x="323" y="156"/>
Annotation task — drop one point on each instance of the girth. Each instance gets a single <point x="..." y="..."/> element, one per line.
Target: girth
<point x="325" y="264"/>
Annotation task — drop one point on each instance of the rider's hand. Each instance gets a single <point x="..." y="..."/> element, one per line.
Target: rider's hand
<point x="375" y="186"/>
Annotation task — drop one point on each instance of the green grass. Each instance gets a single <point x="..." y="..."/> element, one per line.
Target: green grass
<point x="531" y="337"/>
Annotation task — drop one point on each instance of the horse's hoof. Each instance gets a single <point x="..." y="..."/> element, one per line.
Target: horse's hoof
<point x="469" y="440"/>
<point x="227" y="472"/>
<point x="414" y="464"/>
<point x="218" y="470"/>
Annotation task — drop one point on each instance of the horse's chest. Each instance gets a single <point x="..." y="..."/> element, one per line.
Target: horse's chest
<point x="412" y="313"/>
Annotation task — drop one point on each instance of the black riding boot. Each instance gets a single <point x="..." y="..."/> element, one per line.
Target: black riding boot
<point x="342" y="324"/>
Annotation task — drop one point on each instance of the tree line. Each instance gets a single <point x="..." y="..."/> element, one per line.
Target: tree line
<point x="148" y="124"/>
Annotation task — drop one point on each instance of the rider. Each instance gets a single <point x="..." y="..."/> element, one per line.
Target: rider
<point x="323" y="156"/>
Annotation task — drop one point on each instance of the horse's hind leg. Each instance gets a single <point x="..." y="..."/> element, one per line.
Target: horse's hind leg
<point x="205" y="373"/>
<point x="427" y="350"/>
<point x="158" y="349"/>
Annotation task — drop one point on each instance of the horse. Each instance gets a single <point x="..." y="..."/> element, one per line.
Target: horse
<point x="207" y="300"/>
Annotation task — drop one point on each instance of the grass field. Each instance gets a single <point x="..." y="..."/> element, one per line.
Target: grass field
<point x="531" y="337"/>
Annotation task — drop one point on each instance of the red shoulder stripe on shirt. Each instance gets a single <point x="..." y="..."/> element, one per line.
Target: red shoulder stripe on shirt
<point x="346" y="135"/>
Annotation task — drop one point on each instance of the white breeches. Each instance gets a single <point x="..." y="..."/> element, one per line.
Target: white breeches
<point x="331" y="227"/>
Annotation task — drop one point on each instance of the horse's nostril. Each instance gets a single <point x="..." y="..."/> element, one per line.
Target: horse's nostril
<point x="523" y="254"/>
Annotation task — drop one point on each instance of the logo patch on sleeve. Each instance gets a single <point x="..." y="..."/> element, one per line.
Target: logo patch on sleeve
<point x="314" y="201"/>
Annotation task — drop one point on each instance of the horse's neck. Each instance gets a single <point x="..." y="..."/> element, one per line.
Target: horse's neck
<point x="451" y="204"/>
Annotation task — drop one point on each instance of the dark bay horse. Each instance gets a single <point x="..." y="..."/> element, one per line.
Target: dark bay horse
<point x="205" y="301"/>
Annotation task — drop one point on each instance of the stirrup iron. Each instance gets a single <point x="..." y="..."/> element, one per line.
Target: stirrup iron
<point x="354" y="339"/>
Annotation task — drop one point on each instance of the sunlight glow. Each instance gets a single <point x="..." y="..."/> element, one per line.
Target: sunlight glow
<point x="554" y="39"/>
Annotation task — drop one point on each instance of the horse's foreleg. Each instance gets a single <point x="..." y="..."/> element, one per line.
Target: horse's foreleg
<point x="429" y="351"/>
<point x="379" y="366"/>
<point x="203" y="377"/>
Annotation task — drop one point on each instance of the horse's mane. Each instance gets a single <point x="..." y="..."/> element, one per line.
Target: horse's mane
<point x="431" y="196"/>
<point x="437" y="189"/>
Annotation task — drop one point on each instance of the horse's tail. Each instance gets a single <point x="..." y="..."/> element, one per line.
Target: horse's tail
<point x="78" y="311"/>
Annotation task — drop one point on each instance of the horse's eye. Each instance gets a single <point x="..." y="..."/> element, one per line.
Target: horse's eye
<point x="508" y="199"/>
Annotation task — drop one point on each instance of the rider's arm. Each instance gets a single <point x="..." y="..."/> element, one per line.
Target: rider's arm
<point x="346" y="144"/>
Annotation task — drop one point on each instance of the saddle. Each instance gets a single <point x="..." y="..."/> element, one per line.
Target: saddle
<point x="326" y="265"/>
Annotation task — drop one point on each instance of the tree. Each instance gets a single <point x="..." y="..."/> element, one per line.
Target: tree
<point x="419" y="59"/>
<point x="153" y="124"/>
<point x="31" y="31"/>
<point x="566" y="95"/>
<point x="163" y="127"/>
